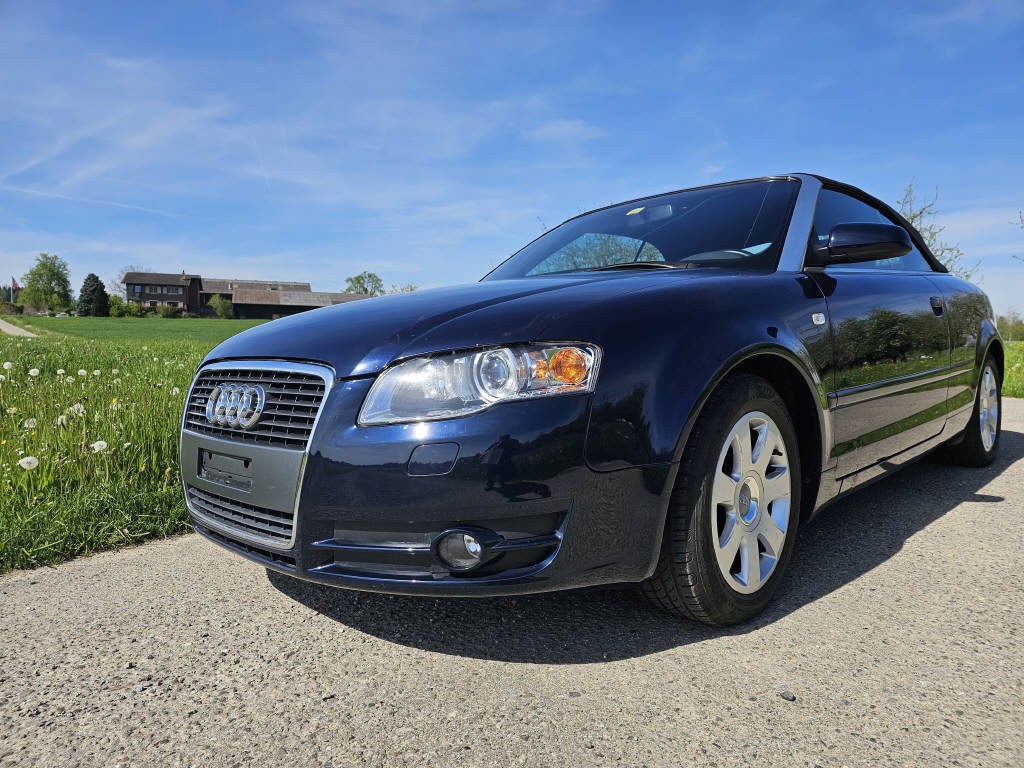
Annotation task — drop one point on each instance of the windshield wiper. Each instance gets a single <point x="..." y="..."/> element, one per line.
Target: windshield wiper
<point x="634" y="265"/>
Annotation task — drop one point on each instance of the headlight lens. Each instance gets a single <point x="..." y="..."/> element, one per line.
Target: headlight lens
<point x="461" y="383"/>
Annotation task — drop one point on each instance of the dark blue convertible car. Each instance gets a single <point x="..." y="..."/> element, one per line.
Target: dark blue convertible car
<point x="658" y="392"/>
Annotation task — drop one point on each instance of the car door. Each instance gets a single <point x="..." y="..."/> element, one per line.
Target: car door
<point x="890" y="345"/>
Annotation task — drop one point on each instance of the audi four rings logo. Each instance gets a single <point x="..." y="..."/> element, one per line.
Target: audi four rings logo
<point x="236" y="405"/>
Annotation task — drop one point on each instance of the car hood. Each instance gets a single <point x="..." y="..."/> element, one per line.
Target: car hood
<point x="362" y="337"/>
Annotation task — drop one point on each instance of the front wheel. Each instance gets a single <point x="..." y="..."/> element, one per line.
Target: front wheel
<point x="735" y="508"/>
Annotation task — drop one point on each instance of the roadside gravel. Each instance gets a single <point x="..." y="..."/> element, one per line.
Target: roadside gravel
<point x="896" y="640"/>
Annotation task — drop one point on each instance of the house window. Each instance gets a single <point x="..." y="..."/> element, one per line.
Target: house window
<point x="137" y="288"/>
<point x="153" y="303"/>
<point x="172" y="303"/>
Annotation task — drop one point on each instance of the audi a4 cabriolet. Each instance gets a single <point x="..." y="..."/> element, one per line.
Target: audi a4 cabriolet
<point x="658" y="392"/>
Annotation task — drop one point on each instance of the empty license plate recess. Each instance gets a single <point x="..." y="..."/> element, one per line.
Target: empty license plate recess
<point x="232" y="471"/>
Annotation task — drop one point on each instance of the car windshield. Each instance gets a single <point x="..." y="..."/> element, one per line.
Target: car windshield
<point x="739" y="226"/>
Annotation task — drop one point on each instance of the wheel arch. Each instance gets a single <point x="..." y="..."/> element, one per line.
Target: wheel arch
<point x="806" y="400"/>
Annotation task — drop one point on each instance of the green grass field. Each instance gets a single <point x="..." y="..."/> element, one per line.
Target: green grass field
<point x="88" y="432"/>
<point x="1013" y="376"/>
<point x="140" y="329"/>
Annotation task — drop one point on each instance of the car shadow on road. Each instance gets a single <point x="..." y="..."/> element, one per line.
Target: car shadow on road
<point x="845" y="541"/>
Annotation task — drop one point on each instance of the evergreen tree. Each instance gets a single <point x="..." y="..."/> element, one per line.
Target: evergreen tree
<point x="90" y="286"/>
<point x="100" y="302"/>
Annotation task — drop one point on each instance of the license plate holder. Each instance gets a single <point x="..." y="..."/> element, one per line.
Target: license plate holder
<point x="222" y="469"/>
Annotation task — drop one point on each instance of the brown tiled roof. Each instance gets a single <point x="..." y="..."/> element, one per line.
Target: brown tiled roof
<point x="156" y="278"/>
<point x="293" y="298"/>
<point x="217" y="285"/>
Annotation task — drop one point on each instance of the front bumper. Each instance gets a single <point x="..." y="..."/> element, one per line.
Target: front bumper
<point x="366" y="508"/>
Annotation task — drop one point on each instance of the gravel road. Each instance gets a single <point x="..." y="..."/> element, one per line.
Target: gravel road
<point x="12" y="330"/>
<point x="896" y="641"/>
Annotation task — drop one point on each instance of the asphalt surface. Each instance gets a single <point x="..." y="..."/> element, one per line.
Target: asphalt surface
<point x="897" y="635"/>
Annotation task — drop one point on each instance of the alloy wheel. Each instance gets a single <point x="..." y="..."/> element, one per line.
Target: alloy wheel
<point x="750" y="505"/>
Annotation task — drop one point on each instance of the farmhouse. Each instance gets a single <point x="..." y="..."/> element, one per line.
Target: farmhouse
<point x="251" y="298"/>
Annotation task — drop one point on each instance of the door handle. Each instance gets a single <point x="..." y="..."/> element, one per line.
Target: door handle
<point x="937" y="306"/>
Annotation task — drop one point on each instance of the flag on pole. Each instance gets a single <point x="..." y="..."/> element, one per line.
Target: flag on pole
<point x="14" y="284"/>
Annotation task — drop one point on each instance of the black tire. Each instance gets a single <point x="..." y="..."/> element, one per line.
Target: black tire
<point x="688" y="580"/>
<point x="969" y="450"/>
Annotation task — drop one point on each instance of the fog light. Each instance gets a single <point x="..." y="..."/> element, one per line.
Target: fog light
<point x="460" y="551"/>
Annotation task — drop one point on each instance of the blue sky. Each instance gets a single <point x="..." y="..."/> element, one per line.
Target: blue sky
<point x="427" y="141"/>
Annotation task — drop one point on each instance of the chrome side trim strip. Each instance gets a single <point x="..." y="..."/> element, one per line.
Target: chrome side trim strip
<point x="321" y="371"/>
<point x="795" y="248"/>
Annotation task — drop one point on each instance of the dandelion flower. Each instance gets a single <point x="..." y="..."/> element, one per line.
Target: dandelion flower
<point x="82" y="372"/>
<point x="33" y="372"/>
<point x="30" y="423"/>
<point x="8" y="365"/>
<point x="28" y="462"/>
<point x="95" y="373"/>
<point x="60" y="371"/>
<point x="98" y="446"/>
<point x="114" y="400"/>
<point x="12" y="409"/>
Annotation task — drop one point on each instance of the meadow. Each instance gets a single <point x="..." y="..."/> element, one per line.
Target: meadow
<point x="139" y="329"/>
<point x="88" y="433"/>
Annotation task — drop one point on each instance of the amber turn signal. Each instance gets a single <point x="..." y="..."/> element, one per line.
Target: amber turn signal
<point x="568" y="366"/>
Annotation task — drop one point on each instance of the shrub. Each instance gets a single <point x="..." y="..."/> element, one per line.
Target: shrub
<point x="223" y="307"/>
<point x="116" y="305"/>
<point x="6" y="308"/>
<point x="166" y="310"/>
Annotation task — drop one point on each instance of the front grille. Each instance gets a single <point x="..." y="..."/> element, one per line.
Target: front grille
<point x="247" y="519"/>
<point x="293" y="401"/>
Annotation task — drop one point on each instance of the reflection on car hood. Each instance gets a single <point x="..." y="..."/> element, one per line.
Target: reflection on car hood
<point x="362" y="337"/>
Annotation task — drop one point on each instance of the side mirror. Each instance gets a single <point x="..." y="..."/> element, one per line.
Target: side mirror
<point x="855" y="242"/>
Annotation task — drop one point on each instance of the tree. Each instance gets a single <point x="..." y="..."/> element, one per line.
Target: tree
<point x="365" y="282"/>
<point x="90" y="287"/>
<point x="406" y="288"/>
<point x="116" y="286"/>
<point x="115" y="305"/>
<point x="100" y="302"/>
<point x="47" y="284"/>
<point x="1011" y="326"/>
<point x="921" y="214"/>
<point x="223" y="307"/>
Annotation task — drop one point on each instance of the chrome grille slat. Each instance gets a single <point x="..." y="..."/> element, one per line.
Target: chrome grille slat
<point x="244" y="518"/>
<point x="293" y="403"/>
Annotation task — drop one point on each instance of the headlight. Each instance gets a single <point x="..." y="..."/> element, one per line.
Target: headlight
<point x="460" y="383"/>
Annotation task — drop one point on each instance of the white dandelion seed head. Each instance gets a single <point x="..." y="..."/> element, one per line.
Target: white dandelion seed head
<point x="175" y="391"/>
<point x="99" y="445"/>
<point x="30" y="423"/>
<point x="33" y="372"/>
<point x="155" y="359"/>
<point x="96" y="373"/>
<point x="8" y="365"/>
<point x="60" y="371"/>
<point x="144" y="349"/>
<point x="75" y="410"/>
<point x="126" y="445"/>
<point x="70" y="379"/>
<point x="28" y="462"/>
<point x="2" y="378"/>
<point x="82" y="372"/>
<point x="114" y="371"/>
<point x="117" y="381"/>
<point x="62" y="420"/>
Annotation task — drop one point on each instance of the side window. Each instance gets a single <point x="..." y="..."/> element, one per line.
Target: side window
<point x="838" y="208"/>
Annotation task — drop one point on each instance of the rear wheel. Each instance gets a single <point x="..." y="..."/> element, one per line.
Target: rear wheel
<point x="735" y="508"/>
<point x="979" y="445"/>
